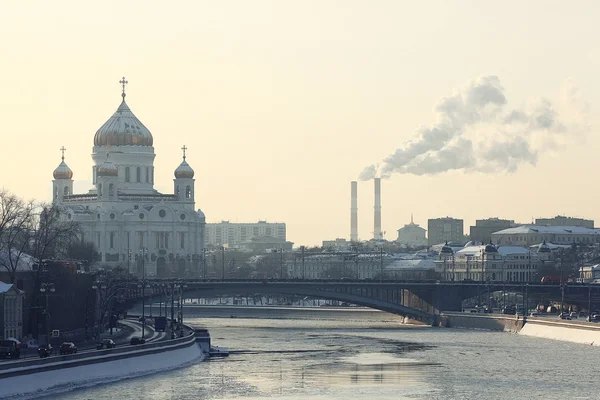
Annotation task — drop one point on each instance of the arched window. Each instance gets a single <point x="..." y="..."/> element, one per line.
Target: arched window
<point x="99" y="189"/>
<point x="188" y="192"/>
<point x="127" y="174"/>
<point x="111" y="191"/>
<point x="139" y="174"/>
<point x="66" y="191"/>
<point x="112" y="240"/>
<point x="152" y="175"/>
<point x="56" y="192"/>
<point x="147" y="174"/>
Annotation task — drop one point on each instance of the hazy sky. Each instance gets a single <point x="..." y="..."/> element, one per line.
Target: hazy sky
<point x="283" y="103"/>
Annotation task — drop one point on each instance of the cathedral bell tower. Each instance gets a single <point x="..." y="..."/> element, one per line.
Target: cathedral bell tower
<point x="107" y="179"/>
<point x="62" y="185"/>
<point x="184" y="181"/>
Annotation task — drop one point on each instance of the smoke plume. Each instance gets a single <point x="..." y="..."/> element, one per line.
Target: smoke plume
<point x="474" y="130"/>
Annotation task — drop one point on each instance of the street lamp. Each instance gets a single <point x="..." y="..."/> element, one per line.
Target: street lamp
<point x="143" y="286"/>
<point x="47" y="288"/>
<point x="98" y="286"/>
<point x="128" y="261"/>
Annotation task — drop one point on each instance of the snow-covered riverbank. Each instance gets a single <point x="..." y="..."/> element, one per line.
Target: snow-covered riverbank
<point x="65" y="379"/>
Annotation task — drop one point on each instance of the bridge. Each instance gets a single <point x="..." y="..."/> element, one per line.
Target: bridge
<point x="421" y="300"/>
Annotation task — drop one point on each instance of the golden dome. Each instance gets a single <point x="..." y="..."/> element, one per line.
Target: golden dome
<point x="63" y="171"/>
<point x="123" y="129"/>
<point x="184" y="171"/>
<point x="107" y="169"/>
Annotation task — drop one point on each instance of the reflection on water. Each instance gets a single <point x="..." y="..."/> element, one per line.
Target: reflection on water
<point x="299" y="359"/>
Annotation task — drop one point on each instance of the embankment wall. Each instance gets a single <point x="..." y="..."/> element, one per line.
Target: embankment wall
<point x="482" y="321"/>
<point x="61" y="373"/>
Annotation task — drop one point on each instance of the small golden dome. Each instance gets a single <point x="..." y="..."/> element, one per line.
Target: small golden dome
<point x="107" y="169"/>
<point x="63" y="171"/>
<point x="184" y="171"/>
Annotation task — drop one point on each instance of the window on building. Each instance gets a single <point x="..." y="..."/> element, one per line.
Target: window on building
<point x="147" y="174"/>
<point x="182" y="240"/>
<point x="111" y="190"/>
<point x="112" y="240"/>
<point x="56" y="192"/>
<point x="66" y="191"/>
<point x="127" y="174"/>
<point x="138" y="174"/>
<point x="99" y="189"/>
<point x="188" y="192"/>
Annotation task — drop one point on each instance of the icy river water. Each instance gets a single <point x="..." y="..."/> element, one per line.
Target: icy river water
<point x="370" y="358"/>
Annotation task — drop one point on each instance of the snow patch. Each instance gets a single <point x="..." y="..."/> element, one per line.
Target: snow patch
<point x="46" y="383"/>
<point x="567" y="334"/>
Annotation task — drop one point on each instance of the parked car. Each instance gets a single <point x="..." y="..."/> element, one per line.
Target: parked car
<point x="564" y="316"/>
<point x="137" y="340"/>
<point x="68" y="348"/>
<point x="45" y="350"/>
<point x="106" y="344"/>
<point x="534" y="314"/>
<point x="10" y="348"/>
<point x="573" y="315"/>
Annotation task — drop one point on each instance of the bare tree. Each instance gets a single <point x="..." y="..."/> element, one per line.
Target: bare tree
<point x="16" y="219"/>
<point x="111" y="289"/>
<point x="52" y="234"/>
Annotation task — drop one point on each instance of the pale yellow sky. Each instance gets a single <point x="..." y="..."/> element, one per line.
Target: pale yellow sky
<point x="283" y="103"/>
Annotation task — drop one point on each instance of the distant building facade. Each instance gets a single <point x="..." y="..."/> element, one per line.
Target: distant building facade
<point x="11" y="311"/>
<point x="337" y="244"/>
<point x="491" y="263"/>
<point x="446" y="229"/>
<point x="561" y="220"/>
<point x="528" y="235"/>
<point x="231" y="234"/>
<point x="483" y="229"/>
<point x="412" y="235"/>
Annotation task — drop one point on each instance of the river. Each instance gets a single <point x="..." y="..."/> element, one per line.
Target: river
<point x="369" y="358"/>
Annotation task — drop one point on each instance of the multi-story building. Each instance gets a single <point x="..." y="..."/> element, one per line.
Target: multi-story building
<point x="483" y="229"/>
<point x="11" y="311"/>
<point x="561" y="220"/>
<point x="336" y="265"/>
<point x="446" y="229"/>
<point x="412" y="235"/>
<point x="492" y="263"/>
<point x="528" y="235"/>
<point x="234" y="233"/>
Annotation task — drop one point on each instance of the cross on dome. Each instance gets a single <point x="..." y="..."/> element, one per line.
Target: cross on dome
<point x="184" y="149"/>
<point x="123" y="82"/>
<point x="62" y="149"/>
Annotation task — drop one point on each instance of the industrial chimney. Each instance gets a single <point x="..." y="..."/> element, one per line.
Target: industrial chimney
<point x="377" y="225"/>
<point x="354" y="211"/>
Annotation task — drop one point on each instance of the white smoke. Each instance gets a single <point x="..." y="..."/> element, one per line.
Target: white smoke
<point x="474" y="131"/>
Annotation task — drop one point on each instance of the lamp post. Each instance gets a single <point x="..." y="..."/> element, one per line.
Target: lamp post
<point x="222" y="263"/>
<point x="128" y="261"/>
<point x="589" y="303"/>
<point x="281" y="263"/>
<point x="143" y="252"/>
<point x="46" y="289"/>
<point x="98" y="286"/>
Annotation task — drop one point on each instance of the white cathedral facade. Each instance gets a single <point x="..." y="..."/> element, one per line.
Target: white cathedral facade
<point x="130" y="223"/>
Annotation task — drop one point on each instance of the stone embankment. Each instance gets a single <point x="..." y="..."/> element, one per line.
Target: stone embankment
<point x="60" y="373"/>
<point x="546" y="328"/>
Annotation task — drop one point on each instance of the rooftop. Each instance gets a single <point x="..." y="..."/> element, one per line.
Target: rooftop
<point x="559" y="230"/>
<point x="502" y="250"/>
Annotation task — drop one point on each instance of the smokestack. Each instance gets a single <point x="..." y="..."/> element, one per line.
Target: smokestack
<point x="354" y="211"/>
<point x="377" y="224"/>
